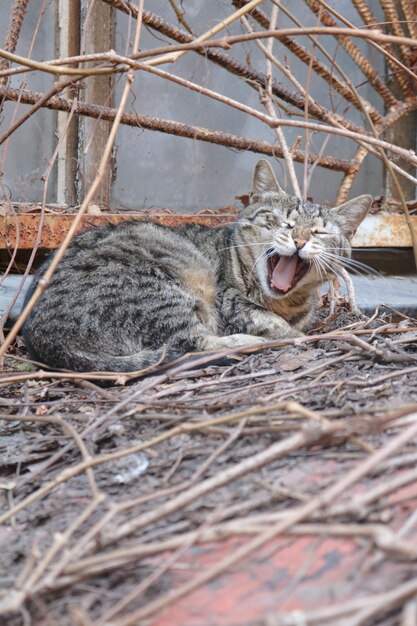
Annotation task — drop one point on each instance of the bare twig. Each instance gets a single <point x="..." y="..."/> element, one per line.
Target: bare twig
<point x="267" y="102"/>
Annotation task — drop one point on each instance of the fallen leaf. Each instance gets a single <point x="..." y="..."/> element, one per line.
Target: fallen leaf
<point x="290" y="363"/>
<point x="245" y="199"/>
<point x="94" y="209"/>
<point x="20" y="366"/>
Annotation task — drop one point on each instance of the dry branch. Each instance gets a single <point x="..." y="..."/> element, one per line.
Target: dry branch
<point x="171" y="57"/>
<point x="370" y="20"/>
<point x="203" y="134"/>
<point x="83" y="552"/>
<point x="266" y="99"/>
<point x="393" y="19"/>
<point x="380" y="535"/>
<point x="322" y="500"/>
<point x="375" y="604"/>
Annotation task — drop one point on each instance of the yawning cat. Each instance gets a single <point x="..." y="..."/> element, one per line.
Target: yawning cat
<point x="124" y="294"/>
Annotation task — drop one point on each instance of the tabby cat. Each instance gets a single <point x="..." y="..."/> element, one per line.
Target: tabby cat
<point x="122" y="295"/>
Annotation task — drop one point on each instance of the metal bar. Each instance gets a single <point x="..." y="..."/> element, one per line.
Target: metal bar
<point x="250" y="74"/>
<point x="362" y="7"/>
<point x="354" y="52"/>
<point x="17" y="15"/>
<point x="173" y="128"/>
<point x="329" y="75"/>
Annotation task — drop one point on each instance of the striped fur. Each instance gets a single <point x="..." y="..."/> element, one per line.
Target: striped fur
<point x="125" y="295"/>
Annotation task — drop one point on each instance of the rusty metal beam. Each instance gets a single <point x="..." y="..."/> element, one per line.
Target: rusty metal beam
<point x="56" y="226"/>
<point x="380" y="230"/>
<point x="138" y="120"/>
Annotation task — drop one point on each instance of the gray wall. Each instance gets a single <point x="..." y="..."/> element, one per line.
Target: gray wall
<point x="159" y="170"/>
<point x="31" y="147"/>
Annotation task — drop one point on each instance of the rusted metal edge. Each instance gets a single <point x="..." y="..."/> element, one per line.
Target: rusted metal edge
<point x="385" y="229"/>
<point x="22" y="230"/>
<point x="380" y="230"/>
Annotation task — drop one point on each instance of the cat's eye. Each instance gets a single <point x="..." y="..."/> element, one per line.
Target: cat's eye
<point x="286" y="225"/>
<point x="317" y="231"/>
<point x="269" y="221"/>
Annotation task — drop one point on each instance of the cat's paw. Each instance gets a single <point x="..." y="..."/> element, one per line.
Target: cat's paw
<point x="238" y="340"/>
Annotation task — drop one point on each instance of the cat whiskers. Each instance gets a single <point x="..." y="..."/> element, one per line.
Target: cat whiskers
<point x="242" y="245"/>
<point x="253" y="225"/>
<point x="329" y="266"/>
<point x="320" y="267"/>
<point x="265" y="254"/>
<point x="356" y="267"/>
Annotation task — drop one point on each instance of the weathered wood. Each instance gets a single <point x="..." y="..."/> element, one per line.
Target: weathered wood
<point x="68" y="41"/>
<point x="97" y="35"/>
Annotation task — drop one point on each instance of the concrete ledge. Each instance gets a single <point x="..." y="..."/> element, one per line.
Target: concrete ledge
<point x="399" y="292"/>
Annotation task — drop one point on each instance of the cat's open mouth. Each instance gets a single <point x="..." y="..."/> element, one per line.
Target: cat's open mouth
<point x="284" y="272"/>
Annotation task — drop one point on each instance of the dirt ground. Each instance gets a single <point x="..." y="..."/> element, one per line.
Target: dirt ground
<point x="277" y="488"/>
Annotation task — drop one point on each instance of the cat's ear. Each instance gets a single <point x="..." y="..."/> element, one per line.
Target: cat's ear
<point x="351" y="213"/>
<point x="264" y="180"/>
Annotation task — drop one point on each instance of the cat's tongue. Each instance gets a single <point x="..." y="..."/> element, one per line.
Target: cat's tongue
<point x="284" y="272"/>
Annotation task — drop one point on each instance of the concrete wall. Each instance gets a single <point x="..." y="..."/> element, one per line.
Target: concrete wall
<point x="32" y="145"/>
<point x="158" y="170"/>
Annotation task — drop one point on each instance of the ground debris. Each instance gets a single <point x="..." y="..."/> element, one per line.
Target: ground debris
<point x="288" y="473"/>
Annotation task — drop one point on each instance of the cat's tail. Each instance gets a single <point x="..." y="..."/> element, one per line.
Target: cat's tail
<point x="146" y="358"/>
<point x="85" y="361"/>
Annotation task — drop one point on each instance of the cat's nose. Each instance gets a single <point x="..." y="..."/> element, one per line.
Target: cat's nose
<point x="299" y="243"/>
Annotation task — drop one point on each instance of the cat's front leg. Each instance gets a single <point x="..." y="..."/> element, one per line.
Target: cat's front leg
<point x="243" y="316"/>
<point x="271" y="326"/>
